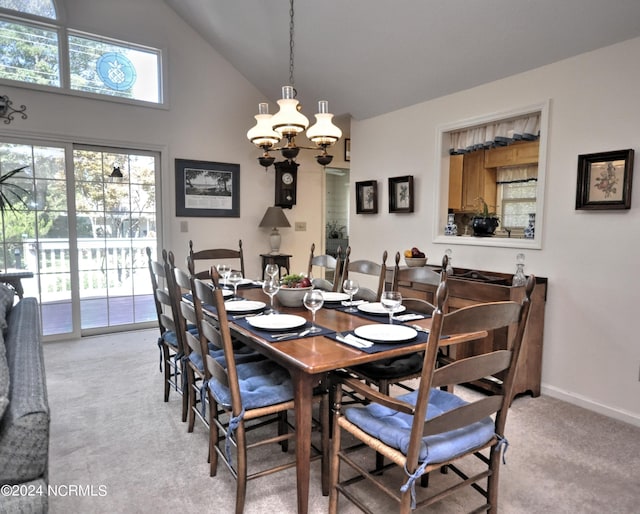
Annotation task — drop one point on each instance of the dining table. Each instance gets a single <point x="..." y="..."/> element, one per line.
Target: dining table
<point x="309" y="360"/>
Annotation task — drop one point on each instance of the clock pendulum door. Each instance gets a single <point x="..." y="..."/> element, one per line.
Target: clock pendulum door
<point x="286" y="182"/>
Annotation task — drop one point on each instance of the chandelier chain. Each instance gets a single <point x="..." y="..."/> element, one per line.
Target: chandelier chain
<point x="291" y="27"/>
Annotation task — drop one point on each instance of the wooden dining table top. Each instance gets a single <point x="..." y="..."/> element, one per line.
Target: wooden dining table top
<point x="320" y="354"/>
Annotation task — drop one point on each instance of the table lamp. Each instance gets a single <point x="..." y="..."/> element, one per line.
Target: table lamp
<point x="274" y="218"/>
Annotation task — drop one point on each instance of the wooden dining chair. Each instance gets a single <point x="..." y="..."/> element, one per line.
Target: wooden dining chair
<point x="169" y="341"/>
<point x="234" y="258"/>
<point x="376" y="272"/>
<point x="250" y="394"/>
<point x="430" y="428"/>
<point x="193" y="312"/>
<point x="177" y="361"/>
<point x="328" y="264"/>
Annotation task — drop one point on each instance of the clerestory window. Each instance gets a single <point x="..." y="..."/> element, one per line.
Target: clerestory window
<point x="32" y="53"/>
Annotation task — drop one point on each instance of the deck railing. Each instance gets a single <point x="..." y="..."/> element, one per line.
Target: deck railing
<point x="106" y="267"/>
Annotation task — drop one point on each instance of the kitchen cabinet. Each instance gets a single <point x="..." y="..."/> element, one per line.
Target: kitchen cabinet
<point x="470" y="180"/>
<point x="467" y="287"/>
<point x="512" y="155"/>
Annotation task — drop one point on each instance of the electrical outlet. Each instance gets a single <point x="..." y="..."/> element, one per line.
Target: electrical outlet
<point x="300" y="226"/>
<point x="184" y="226"/>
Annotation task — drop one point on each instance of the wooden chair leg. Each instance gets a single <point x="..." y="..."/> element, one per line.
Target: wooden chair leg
<point x="167" y="372"/>
<point x="324" y="420"/>
<point x="283" y="428"/>
<point x="334" y="474"/>
<point x="241" y="455"/>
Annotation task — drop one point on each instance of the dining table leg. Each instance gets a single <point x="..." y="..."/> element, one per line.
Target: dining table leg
<point x="303" y="384"/>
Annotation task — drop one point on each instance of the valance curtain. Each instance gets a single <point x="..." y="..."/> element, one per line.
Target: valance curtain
<point x="499" y="133"/>
<point x="515" y="174"/>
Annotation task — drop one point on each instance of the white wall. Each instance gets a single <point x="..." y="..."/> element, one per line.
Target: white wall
<point x="591" y="350"/>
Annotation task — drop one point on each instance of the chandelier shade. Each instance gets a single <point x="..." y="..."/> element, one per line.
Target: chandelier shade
<point x="324" y="132"/>
<point x="262" y="134"/>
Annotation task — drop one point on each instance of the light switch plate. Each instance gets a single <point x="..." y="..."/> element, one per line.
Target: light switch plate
<point x="184" y="226"/>
<point x="300" y="226"/>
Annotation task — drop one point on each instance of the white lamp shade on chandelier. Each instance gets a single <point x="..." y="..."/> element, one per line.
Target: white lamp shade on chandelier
<point x="289" y="121"/>
<point x="324" y="132"/>
<point x="263" y="135"/>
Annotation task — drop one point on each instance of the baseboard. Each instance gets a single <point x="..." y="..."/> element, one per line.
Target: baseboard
<point x="589" y="404"/>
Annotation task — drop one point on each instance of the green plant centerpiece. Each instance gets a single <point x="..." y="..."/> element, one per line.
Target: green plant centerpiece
<point x="335" y="230"/>
<point x="484" y="222"/>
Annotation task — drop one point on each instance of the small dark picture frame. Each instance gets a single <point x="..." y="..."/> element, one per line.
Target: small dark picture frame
<point x="367" y="197"/>
<point x="347" y="150"/>
<point x="207" y="189"/>
<point x="604" y="180"/>
<point x="401" y="194"/>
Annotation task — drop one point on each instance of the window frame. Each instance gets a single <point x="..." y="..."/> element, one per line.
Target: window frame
<point x="441" y="190"/>
<point x="58" y="25"/>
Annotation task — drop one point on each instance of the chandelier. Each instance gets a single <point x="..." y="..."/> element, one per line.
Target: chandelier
<point x="288" y="122"/>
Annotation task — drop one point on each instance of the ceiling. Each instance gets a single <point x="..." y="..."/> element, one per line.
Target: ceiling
<point x="369" y="57"/>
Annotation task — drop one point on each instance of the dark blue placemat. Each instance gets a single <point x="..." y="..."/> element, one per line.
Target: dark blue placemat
<point x="421" y="338"/>
<point x="269" y="334"/>
<point x="381" y="318"/>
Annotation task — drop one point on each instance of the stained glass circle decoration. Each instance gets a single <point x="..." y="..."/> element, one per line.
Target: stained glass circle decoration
<point x="116" y="71"/>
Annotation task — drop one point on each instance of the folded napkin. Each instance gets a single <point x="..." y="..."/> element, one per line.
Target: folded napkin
<point x="347" y="303"/>
<point x="409" y="317"/>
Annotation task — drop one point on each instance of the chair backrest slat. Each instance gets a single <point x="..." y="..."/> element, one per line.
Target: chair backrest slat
<point x="463" y="416"/>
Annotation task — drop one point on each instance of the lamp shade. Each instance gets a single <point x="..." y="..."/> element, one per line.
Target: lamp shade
<point x="262" y="135"/>
<point x="324" y="132"/>
<point x="274" y="217"/>
<point x="289" y="121"/>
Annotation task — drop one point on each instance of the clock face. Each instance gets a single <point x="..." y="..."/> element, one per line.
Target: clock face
<point x="287" y="178"/>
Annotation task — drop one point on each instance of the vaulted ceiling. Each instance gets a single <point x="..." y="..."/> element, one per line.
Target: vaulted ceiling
<point x="368" y="57"/>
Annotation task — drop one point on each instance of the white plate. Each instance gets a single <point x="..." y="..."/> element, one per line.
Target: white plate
<point x="385" y="333"/>
<point x="277" y="321"/>
<point x="377" y="309"/>
<point x="243" y="282"/>
<point x="330" y="296"/>
<point x="244" y="306"/>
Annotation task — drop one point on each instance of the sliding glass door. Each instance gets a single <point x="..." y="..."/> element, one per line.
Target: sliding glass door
<point x="82" y="230"/>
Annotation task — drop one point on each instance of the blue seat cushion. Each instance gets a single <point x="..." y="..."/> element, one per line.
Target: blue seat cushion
<point x="262" y="383"/>
<point x="397" y="367"/>
<point x="171" y="339"/>
<point x="394" y="428"/>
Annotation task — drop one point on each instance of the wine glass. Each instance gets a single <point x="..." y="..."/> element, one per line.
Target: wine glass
<point x="271" y="288"/>
<point x="350" y="287"/>
<point x="234" y="279"/>
<point x="313" y="300"/>
<point x="224" y="270"/>
<point x="391" y="301"/>
<point x="271" y="270"/>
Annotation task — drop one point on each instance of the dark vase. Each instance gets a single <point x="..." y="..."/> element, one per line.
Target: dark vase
<point x="484" y="227"/>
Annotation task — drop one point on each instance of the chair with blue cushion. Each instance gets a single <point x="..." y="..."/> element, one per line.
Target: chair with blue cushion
<point x="170" y="341"/>
<point x="430" y="428"/>
<point x="193" y="312"/>
<point x="251" y="394"/>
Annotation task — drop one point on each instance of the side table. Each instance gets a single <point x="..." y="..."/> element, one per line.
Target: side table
<point x="280" y="259"/>
<point x="13" y="279"/>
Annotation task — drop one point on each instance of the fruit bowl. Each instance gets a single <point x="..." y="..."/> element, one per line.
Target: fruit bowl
<point x="292" y="296"/>
<point x="415" y="262"/>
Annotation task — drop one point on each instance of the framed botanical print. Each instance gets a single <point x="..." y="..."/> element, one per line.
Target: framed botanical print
<point x="367" y="197"/>
<point x="207" y="189"/>
<point x="401" y="194"/>
<point x="604" y="180"/>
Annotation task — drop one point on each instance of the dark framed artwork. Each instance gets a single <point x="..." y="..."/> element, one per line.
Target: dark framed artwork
<point x="347" y="149"/>
<point x="207" y="189"/>
<point x="401" y="194"/>
<point x="604" y="180"/>
<point x="367" y="197"/>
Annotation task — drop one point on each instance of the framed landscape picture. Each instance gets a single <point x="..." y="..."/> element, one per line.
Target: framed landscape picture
<point x="207" y="189"/>
<point x="367" y="197"/>
<point x="401" y="194"/>
<point x="604" y="180"/>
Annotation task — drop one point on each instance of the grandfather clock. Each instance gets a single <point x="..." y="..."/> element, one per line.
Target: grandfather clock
<point x="286" y="183"/>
